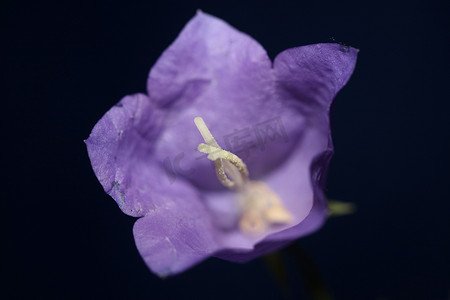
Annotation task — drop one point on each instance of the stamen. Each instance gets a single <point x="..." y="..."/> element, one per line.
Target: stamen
<point x="228" y="165"/>
<point x="262" y="207"/>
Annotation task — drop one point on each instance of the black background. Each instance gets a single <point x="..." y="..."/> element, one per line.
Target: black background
<point x="64" y="64"/>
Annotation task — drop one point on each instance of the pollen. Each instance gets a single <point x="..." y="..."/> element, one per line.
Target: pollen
<point x="261" y="208"/>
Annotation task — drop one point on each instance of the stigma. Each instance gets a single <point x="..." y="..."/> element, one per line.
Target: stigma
<point x="261" y="208"/>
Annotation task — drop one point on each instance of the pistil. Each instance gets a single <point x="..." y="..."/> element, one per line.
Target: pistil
<point x="261" y="207"/>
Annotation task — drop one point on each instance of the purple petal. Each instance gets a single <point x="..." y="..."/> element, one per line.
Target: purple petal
<point x="176" y="231"/>
<point x="296" y="182"/>
<point x="216" y="72"/>
<point x="173" y="238"/>
<point x="311" y="223"/>
<point x="313" y="75"/>
<point x="310" y="76"/>
<point x="120" y="148"/>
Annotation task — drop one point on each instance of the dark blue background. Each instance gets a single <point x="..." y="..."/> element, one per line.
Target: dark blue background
<point x="65" y="64"/>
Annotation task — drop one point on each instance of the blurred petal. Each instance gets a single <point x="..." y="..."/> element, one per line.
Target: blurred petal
<point x="172" y="240"/>
<point x="298" y="183"/>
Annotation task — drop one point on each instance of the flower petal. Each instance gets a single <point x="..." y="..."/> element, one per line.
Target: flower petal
<point x="315" y="218"/>
<point x="298" y="184"/>
<point x="214" y="71"/>
<point x="120" y="148"/>
<point x="314" y="74"/>
<point x="174" y="238"/>
<point x="310" y="76"/>
<point x="176" y="231"/>
<point x="206" y="53"/>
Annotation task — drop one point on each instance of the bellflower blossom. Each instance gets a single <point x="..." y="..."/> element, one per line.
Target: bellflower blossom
<point x="143" y="150"/>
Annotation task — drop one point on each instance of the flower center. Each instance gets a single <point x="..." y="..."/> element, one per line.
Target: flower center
<point x="260" y="206"/>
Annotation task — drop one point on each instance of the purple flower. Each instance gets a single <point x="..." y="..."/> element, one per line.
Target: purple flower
<point x="143" y="150"/>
